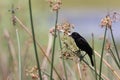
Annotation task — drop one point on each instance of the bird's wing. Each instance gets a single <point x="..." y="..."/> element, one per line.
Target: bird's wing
<point x="82" y="39"/>
<point x="82" y="43"/>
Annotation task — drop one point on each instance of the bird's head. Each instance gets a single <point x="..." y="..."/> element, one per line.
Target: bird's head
<point x="75" y="35"/>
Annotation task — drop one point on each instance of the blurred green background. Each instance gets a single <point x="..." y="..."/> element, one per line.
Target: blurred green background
<point x="84" y="14"/>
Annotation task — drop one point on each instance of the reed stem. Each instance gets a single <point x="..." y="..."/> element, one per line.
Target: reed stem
<point x="63" y="61"/>
<point x="102" y="53"/>
<point x="118" y="56"/>
<point x="34" y="41"/>
<point x="53" y="51"/>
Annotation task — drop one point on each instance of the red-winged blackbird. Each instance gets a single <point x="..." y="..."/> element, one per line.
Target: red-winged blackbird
<point x="83" y="45"/>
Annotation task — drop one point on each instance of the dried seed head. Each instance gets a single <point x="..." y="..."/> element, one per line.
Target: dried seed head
<point x="33" y="73"/>
<point x="34" y="76"/>
<point x="55" y="5"/>
<point x="106" y="22"/>
<point x="115" y="17"/>
<point x="65" y="27"/>
<point x="109" y="19"/>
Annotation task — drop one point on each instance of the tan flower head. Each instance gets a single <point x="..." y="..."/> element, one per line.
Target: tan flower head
<point x="106" y="22"/>
<point x="65" y="27"/>
<point x="109" y="19"/>
<point x="55" y="4"/>
<point x="115" y="17"/>
<point x="33" y="73"/>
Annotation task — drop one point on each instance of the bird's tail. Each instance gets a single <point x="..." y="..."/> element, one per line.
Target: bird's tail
<point x="91" y="60"/>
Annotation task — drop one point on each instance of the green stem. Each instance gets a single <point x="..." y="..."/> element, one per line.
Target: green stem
<point x="62" y="56"/>
<point x="111" y="52"/>
<point x="19" y="55"/>
<point x="102" y="53"/>
<point x="94" y="56"/>
<point x="115" y="45"/>
<point x="53" y="51"/>
<point x="34" y="41"/>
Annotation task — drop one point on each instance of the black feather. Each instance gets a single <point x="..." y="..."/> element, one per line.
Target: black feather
<point x="83" y="45"/>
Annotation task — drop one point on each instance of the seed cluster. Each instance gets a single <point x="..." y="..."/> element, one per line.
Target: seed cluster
<point x="55" y="4"/>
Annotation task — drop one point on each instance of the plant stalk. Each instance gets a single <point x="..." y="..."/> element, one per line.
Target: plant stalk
<point x="94" y="56"/>
<point x="34" y="41"/>
<point x="19" y="55"/>
<point x="63" y="61"/>
<point x="112" y="54"/>
<point x="53" y="51"/>
<point x="102" y="53"/>
<point x="118" y="56"/>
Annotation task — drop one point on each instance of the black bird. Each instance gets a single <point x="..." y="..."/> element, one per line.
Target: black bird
<point x="83" y="45"/>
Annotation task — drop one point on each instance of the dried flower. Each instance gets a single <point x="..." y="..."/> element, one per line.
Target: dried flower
<point x="109" y="19"/>
<point x="33" y="72"/>
<point x="106" y="22"/>
<point x="55" y="5"/>
<point x="115" y="17"/>
<point x="65" y="27"/>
